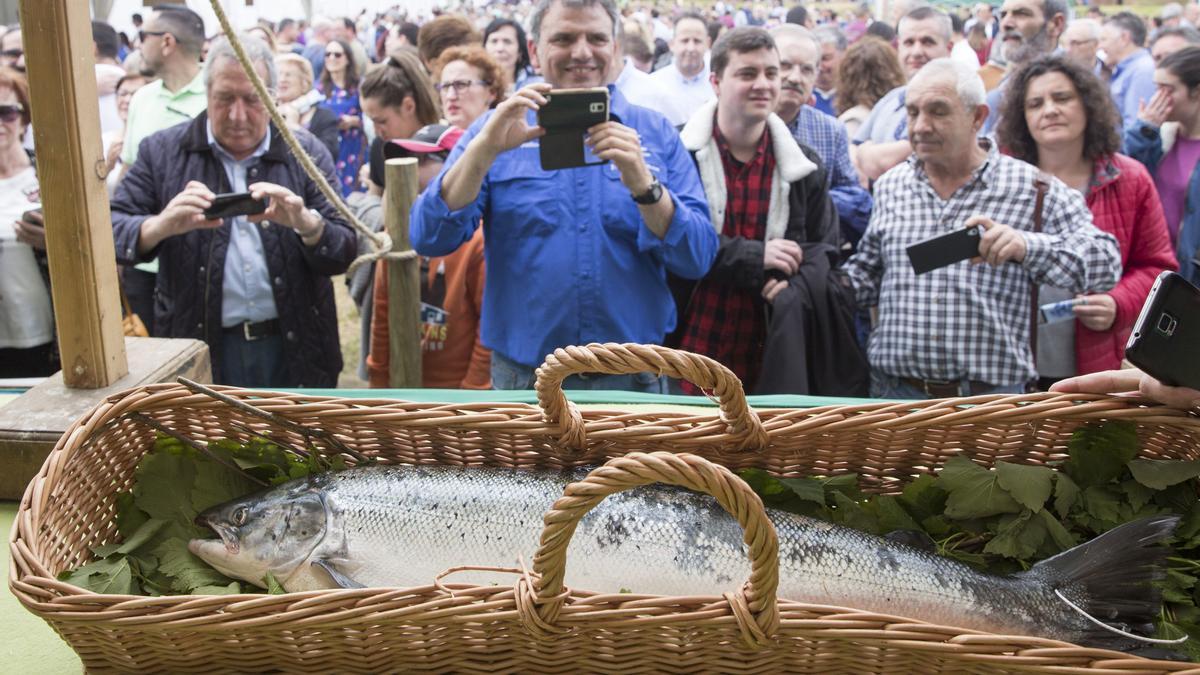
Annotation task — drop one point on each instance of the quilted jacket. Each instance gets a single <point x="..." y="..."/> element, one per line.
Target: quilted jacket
<point x="1125" y="204"/>
<point x="191" y="266"/>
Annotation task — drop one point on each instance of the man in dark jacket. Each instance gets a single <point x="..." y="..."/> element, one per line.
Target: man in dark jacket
<point x="256" y="288"/>
<point x="766" y="197"/>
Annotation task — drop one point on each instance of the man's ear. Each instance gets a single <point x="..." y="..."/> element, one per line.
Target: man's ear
<point x="533" y="55"/>
<point x="981" y="115"/>
<point x="1058" y="25"/>
<point x="715" y="81"/>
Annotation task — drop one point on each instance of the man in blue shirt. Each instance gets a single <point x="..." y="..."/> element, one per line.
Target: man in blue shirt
<point x="574" y="255"/>
<point x="1122" y="40"/>
<point x="800" y="58"/>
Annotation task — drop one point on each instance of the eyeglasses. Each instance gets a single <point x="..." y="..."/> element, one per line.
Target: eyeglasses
<point x="459" y="86"/>
<point x="11" y="113"/>
<point x="143" y="34"/>
<point x="335" y="55"/>
<point x="12" y="53"/>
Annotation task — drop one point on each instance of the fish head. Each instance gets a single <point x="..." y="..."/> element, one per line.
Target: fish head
<point x="273" y="532"/>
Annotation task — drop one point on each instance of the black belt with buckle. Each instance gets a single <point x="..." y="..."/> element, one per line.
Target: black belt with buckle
<point x="947" y="388"/>
<point x="255" y="331"/>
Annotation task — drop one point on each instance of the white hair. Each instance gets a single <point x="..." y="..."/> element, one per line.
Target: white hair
<point x="967" y="83"/>
<point x="1090" y="28"/>
<point x="256" y="50"/>
<point x="796" y="31"/>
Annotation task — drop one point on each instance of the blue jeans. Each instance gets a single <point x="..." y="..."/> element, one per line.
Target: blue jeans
<point x="889" y="386"/>
<point x="252" y="363"/>
<point x="508" y="374"/>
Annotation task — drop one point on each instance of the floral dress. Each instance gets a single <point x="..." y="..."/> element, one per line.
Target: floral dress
<point x="352" y="143"/>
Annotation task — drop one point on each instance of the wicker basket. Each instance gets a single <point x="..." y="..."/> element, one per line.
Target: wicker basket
<point x="536" y="625"/>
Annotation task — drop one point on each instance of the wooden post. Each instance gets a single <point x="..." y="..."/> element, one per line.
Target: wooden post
<point x="71" y="171"/>
<point x="404" y="277"/>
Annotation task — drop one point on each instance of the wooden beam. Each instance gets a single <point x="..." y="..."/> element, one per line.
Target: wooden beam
<point x="79" y="240"/>
<point x="404" y="277"/>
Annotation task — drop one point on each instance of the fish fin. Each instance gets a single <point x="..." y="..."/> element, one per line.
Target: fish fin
<point x="1114" y="575"/>
<point x="913" y="539"/>
<point x="340" y="579"/>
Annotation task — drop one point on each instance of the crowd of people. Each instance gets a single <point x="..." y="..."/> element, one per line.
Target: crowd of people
<point x="761" y="175"/>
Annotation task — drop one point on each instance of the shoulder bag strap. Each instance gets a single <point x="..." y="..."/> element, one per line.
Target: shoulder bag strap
<point x="1042" y="185"/>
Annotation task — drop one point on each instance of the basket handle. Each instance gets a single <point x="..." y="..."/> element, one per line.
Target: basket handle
<point x="621" y="359"/>
<point x="755" y="607"/>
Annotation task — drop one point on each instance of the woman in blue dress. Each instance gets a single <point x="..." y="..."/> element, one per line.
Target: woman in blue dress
<point x="339" y="84"/>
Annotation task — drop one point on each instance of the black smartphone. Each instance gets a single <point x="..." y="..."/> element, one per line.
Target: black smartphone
<point x="566" y="117"/>
<point x="1165" y="341"/>
<point x="945" y="249"/>
<point x="231" y="204"/>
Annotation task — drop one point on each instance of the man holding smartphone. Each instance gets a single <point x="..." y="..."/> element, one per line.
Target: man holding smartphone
<point x="248" y="278"/>
<point x="575" y="255"/>
<point x="963" y="329"/>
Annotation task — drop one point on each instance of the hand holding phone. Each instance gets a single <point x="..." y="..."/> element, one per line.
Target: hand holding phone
<point x="943" y="250"/>
<point x="506" y="128"/>
<point x="1165" y="341"/>
<point x="233" y="204"/>
<point x="31" y="229"/>
<point x="566" y="116"/>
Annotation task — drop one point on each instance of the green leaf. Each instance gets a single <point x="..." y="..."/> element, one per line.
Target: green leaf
<point x="273" y="585"/>
<point x="1160" y="474"/>
<point x="1017" y="536"/>
<point x="846" y="484"/>
<point x="1137" y="495"/>
<point x="216" y="484"/>
<point x="1103" y="504"/>
<point x="806" y="489"/>
<point x="891" y="515"/>
<point x="850" y="513"/>
<point x="1066" y="494"/>
<point x="1029" y="485"/>
<point x="1061" y="537"/>
<point x="162" y="479"/>
<point x="974" y="491"/>
<point x="923" y="498"/>
<point x="143" y="534"/>
<point x="186" y="571"/>
<point x="109" y="576"/>
<point x="1099" y="452"/>
<point x="232" y="588"/>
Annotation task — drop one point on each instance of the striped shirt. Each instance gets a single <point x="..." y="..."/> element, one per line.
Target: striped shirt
<point x="964" y="320"/>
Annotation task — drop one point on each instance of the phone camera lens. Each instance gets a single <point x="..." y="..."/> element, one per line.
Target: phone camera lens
<point x="1166" y="324"/>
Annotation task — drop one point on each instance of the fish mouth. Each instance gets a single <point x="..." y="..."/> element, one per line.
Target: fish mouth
<point x="223" y="532"/>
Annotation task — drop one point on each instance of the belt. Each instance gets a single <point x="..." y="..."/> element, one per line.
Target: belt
<point x="947" y="388"/>
<point x="255" y="331"/>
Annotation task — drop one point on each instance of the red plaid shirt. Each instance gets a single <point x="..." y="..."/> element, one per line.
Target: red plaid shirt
<point x="724" y="322"/>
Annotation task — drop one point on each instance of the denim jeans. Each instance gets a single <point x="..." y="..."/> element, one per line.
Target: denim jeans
<point x="252" y="363"/>
<point x="508" y="374"/>
<point x="889" y="386"/>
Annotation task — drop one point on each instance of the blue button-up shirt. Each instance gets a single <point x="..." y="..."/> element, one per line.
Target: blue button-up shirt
<point x="888" y="120"/>
<point x="569" y="258"/>
<point x="246" y="291"/>
<point x="827" y="136"/>
<point x="1132" y="83"/>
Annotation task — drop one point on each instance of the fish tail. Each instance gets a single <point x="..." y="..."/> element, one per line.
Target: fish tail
<point x="1113" y="579"/>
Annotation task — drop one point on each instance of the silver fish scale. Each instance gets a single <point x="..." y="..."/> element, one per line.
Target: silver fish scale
<point x="402" y="526"/>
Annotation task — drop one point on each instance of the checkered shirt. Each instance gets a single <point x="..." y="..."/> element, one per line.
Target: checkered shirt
<point x="968" y="320"/>
<point x="724" y="322"/>
<point x="827" y="136"/>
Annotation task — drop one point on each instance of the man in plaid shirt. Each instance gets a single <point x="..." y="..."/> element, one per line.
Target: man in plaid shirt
<point x="963" y="329"/>
<point x="765" y="198"/>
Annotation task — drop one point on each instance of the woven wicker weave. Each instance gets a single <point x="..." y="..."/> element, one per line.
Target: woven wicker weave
<point x="535" y="625"/>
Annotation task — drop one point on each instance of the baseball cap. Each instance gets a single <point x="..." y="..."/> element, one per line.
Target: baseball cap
<point x="429" y="138"/>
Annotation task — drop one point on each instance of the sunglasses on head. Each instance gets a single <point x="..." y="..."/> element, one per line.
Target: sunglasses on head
<point x="11" y="112"/>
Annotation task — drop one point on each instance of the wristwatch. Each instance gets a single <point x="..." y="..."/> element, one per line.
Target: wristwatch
<point x="651" y="195"/>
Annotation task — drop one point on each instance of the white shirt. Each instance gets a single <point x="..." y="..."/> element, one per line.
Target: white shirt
<point x="26" y="319"/>
<point x="636" y="86"/>
<point x="677" y="96"/>
<point x="964" y="53"/>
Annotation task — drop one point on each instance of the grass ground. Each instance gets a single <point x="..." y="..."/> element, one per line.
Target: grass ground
<point x="349" y="334"/>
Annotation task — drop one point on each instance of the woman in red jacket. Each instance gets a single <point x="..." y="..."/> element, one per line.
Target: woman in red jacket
<point x="1060" y="117"/>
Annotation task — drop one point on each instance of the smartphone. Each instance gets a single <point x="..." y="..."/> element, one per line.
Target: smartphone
<point x="566" y="117"/>
<point x="945" y="249"/>
<point x="231" y="204"/>
<point x="1165" y="341"/>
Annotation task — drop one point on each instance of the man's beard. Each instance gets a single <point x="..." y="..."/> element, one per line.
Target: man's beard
<point x="1028" y="49"/>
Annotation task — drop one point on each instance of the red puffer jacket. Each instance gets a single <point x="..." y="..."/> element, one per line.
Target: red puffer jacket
<point x="1124" y="203"/>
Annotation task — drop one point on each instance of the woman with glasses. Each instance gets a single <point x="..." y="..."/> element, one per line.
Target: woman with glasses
<point x="505" y="40"/>
<point x="339" y="84"/>
<point x="114" y="141"/>
<point x="469" y="82"/>
<point x="26" y="318"/>
<point x="1058" y="116"/>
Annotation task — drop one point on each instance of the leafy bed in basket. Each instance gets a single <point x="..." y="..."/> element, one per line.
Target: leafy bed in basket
<point x="534" y="624"/>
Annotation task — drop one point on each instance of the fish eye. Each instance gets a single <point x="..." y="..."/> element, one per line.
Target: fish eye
<point x="239" y="516"/>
